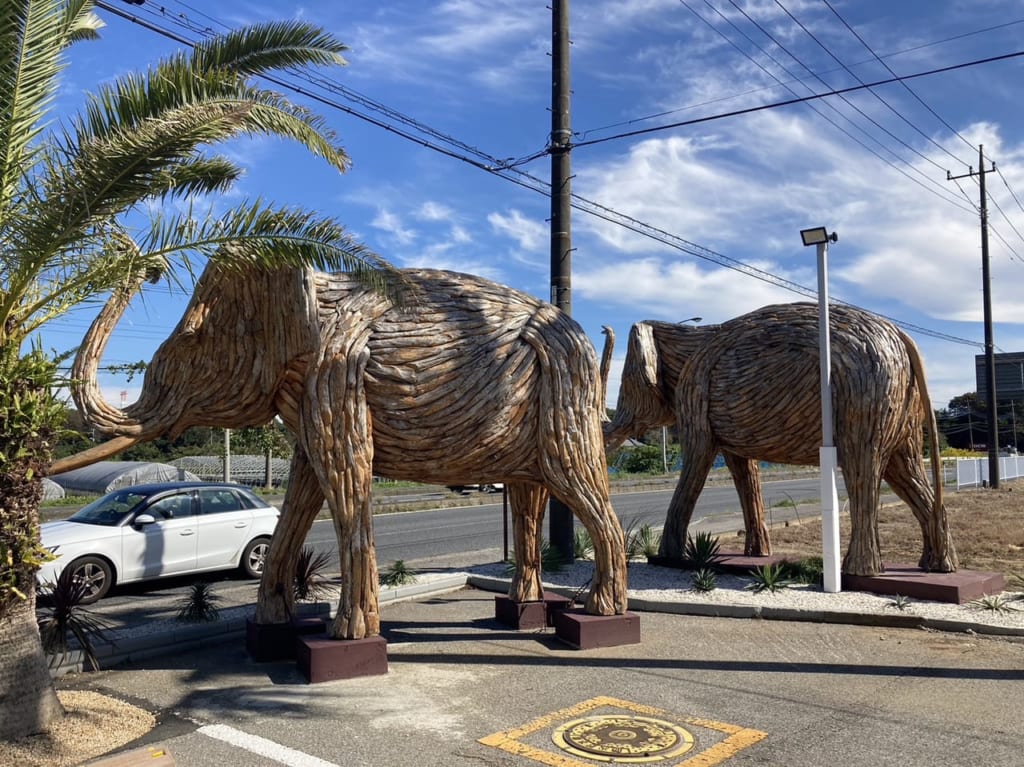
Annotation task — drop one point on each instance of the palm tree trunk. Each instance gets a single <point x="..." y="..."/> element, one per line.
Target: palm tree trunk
<point x="28" y="701"/>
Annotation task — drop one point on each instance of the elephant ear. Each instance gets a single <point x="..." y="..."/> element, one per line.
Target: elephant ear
<point x="642" y="402"/>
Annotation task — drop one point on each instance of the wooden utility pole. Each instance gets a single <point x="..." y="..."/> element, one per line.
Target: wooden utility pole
<point x="990" y="358"/>
<point x="560" y="520"/>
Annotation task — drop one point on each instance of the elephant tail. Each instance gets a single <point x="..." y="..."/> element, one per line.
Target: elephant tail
<point x="917" y="369"/>
<point x="606" y="366"/>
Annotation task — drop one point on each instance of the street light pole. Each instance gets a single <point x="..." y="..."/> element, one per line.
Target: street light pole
<point x="827" y="456"/>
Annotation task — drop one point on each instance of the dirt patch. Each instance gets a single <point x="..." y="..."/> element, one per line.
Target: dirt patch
<point x="987" y="527"/>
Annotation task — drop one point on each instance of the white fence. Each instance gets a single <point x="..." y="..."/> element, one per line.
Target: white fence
<point x="973" y="472"/>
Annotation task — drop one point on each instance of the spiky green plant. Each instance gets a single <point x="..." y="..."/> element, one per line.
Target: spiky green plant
<point x="809" y="570"/>
<point x="551" y="560"/>
<point x="998" y="603"/>
<point x="65" y="618"/>
<point x="310" y="582"/>
<point x="200" y="604"/>
<point x="582" y="544"/>
<point x="771" y="577"/>
<point x="642" y="541"/>
<point x="899" y="602"/>
<point x="399" y="574"/>
<point x="705" y="579"/>
<point x="702" y="551"/>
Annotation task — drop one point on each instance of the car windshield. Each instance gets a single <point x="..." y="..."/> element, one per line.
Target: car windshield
<point x="109" y="510"/>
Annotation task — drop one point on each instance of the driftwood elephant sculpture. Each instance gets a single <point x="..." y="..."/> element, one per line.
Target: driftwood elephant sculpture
<point x="463" y="378"/>
<point x="750" y="390"/>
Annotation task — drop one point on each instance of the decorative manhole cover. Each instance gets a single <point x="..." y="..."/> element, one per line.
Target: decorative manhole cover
<point x="623" y="739"/>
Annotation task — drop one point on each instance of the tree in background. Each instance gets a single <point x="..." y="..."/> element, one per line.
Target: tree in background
<point x="81" y="215"/>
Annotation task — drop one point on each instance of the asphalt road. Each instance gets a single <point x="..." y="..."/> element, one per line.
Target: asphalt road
<point x="472" y="535"/>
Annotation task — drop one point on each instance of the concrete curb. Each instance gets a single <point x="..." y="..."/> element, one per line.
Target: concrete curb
<point x="170" y="636"/>
<point x="767" y="612"/>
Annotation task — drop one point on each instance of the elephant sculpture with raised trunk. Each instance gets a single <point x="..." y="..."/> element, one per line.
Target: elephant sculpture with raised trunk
<point x="461" y="378"/>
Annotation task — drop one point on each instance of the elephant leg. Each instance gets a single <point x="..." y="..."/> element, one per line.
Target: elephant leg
<point x="336" y="430"/>
<point x="698" y="458"/>
<point x="862" y="473"/>
<point x="302" y="502"/>
<point x="907" y="478"/>
<point x="527" y="502"/>
<point x="746" y="475"/>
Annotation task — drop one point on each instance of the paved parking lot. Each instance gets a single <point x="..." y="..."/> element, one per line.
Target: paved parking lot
<point x="463" y="691"/>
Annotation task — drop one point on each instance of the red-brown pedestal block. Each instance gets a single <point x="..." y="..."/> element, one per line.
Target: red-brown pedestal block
<point x="326" y="660"/>
<point x="529" y="616"/>
<point x="585" y="632"/>
<point x="276" y="641"/>
<point x="909" y="581"/>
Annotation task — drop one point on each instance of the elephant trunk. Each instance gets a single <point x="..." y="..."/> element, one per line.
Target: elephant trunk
<point x="85" y="389"/>
<point x="606" y="365"/>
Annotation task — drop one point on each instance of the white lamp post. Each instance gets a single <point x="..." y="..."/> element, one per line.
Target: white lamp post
<point x="827" y="454"/>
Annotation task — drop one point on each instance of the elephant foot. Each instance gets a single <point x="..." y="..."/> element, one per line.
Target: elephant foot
<point x="938" y="564"/>
<point x="354" y="624"/>
<point x="526" y="588"/>
<point x="757" y="547"/>
<point x="606" y="599"/>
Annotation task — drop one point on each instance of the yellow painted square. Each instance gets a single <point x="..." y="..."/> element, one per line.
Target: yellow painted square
<point x="737" y="738"/>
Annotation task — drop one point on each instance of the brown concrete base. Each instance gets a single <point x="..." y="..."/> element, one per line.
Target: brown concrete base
<point x="529" y="616"/>
<point x="267" y="642"/>
<point x="326" y="660"/>
<point x="586" y="632"/>
<point x="910" y="581"/>
<point x="728" y="562"/>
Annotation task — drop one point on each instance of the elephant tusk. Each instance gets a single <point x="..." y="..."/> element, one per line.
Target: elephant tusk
<point x="91" y="455"/>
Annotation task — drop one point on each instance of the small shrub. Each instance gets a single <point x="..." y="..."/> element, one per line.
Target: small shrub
<point x="310" y="582"/>
<point x="399" y="574"/>
<point x="702" y="550"/>
<point x="998" y="603"/>
<point x="809" y="571"/>
<point x="582" y="545"/>
<point x="704" y="580"/>
<point x="642" y="540"/>
<point x="769" y="578"/>
<point x="899" y="602"/>
<point x="66" y="618"/>
<point x="550" y="559"/>
<point x="200" y="604"/>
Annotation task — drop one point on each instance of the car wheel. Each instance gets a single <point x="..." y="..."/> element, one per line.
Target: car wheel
<point x="97" y="576"/>
<point x="254" y="557"/>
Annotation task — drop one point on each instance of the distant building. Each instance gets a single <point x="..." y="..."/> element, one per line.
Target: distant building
<point x="1009" y="377"/>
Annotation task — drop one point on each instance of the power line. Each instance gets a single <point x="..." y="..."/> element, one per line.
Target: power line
<point x="936" y="189"/>
<point x="510" y="173"/>
<point x="800" y="100"/>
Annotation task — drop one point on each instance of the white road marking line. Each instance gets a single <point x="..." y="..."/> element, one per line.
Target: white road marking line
<point x="262" y="746"/>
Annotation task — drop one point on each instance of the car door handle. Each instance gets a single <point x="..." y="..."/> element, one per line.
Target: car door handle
<point x="187" y="532"/>
<point x="241" y="524"/>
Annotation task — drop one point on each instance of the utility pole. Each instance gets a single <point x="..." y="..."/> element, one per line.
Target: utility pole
<point x="990" y="359"/>
<point x="560" y="520"/>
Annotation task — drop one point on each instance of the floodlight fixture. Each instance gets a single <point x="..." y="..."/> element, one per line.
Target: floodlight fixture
<point x="817" y="236"/>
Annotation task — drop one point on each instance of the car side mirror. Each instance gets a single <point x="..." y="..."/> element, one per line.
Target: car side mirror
<point x="143" y="519"/>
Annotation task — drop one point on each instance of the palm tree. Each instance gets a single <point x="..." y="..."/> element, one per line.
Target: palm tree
<point x="71" y="203"/>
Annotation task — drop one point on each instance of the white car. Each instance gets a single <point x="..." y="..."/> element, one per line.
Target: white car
<point x="152" y="531"/>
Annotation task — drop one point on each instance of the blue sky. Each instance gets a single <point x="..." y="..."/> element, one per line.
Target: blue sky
<point x="871" y="166"/>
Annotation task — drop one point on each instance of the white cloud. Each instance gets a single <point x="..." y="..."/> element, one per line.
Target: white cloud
<point x="391" y="224"/>
<point x="529" y="235"/>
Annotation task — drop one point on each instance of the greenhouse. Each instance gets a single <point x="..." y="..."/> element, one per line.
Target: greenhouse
<point x="244" y="469"/>
<point x="104" y="476"/>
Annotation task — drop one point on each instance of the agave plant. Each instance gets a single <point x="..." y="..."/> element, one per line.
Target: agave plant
<point x="66" y="618"/>
<point x="200" y="604"/>
<point x="551" y="560"/>
<point x="582" y="544"/>
<point x="705" y="579"/>
<point x="770" y="578"/>
<point x="311" y="584"/>
<point x="399" y="574"/>
<point x="702" y="550"/>
<point x="641" y="540"/>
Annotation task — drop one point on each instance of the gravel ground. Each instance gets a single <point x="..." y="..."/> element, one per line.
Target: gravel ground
<point x="660" y="584"/>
